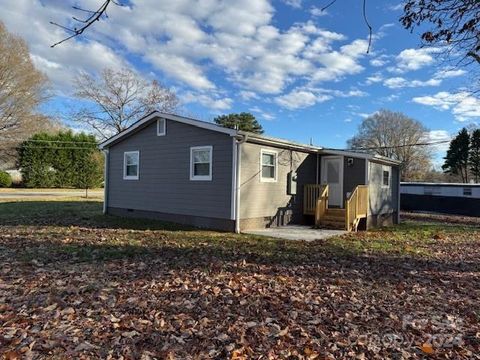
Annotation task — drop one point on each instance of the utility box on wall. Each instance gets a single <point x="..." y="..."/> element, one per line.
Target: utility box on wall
<point x="292" y="183"/>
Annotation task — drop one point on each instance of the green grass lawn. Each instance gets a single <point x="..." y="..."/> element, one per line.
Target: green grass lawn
<point x="141" y="235"/>
<point x="74" y="282"/>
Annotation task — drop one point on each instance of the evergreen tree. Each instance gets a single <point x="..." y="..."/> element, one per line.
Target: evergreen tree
<point x="475" y="154"/>
<point x="62" y="160"/>
<point x="243" y="121"/>
<point x="89" y="169"/>
<point x="457" y="159"/>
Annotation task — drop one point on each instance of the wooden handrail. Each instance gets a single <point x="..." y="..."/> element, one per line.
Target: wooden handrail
<point x="311" y="194"/>
<point x="321" y="205"/>
<point x="356" y="207"/>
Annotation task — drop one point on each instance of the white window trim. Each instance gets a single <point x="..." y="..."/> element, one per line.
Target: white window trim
<point x="164" y="130"/>
<point x="130" y="177"/>
<point x="387" y="168"/>
<point x="201" y="177"/>
<point x="270" y="152"/>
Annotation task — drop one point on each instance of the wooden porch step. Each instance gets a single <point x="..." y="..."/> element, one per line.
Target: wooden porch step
<point x="336" y="225"/>
<point x="336" y="212"/>
<point x="333" y="219"/>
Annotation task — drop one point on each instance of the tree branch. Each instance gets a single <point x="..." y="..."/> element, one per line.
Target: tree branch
<point x="89" y="21"/>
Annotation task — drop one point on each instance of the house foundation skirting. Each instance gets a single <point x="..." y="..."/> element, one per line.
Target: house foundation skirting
<point x="265" y="222"/>
<point x="196" y="221"/>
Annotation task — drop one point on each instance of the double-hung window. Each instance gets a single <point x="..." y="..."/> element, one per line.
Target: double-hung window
<point x="268" y="166"/>
<point x="131" y="164"/>
<point x="201" y="163"/>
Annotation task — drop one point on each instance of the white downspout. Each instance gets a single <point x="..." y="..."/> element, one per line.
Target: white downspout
<point x="105" y="180"/>
<point x="398" y="193"/>
<point x="238" y="184"/>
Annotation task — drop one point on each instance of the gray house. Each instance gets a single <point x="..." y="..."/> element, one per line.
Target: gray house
<point x="193" y="172"/>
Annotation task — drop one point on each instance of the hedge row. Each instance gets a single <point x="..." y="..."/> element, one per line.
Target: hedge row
<point x="61" y="160"/>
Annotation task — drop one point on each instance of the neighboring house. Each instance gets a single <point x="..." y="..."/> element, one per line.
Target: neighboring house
<point x="193" y="172"/>
<point x="448" y="198"/>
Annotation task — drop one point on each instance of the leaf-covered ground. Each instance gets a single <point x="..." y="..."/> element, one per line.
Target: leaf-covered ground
<point x="74" y="283"/>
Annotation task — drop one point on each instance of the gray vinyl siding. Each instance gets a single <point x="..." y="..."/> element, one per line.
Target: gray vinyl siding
<point x="382" y="200"/>
<point x="269" y="199"/>
<point x="353" y="175"/>
<point x="164" y="183"/>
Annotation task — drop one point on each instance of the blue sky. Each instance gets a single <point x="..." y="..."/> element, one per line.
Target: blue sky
<point x="304" y="73"/>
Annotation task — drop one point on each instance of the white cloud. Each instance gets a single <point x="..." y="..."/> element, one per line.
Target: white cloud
<point x="463" y="105"/>
<point x="439" y="136"/>
<point x="317" y="12"/>
<point x="262" y="113"/>
<point x="380" y="61"/>
<point x="397" y="7"/>
<point x="399" y="82"/>
<point x="247" y="95"/>
<point x="415" y="59"/>
<point x="337" y="64"/>
<point x="300" y="99"/>
<point x="214" y="103"/>
<point x="30" y="20"/>
<point x="181" y="69"/>
<point x="186" y="41"/>
<point x="389" y="98"/>
<point x="363" y="115"/>
<point x="294" y="3"/>
<point x="375" y="78"/>
<point x="449" y="73"/>
<point x="309" y="96"/>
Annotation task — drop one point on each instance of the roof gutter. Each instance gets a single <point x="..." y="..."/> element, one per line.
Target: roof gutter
<point x="262" y="140"/>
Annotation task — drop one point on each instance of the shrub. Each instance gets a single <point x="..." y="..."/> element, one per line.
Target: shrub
<point x="5" y="179"/>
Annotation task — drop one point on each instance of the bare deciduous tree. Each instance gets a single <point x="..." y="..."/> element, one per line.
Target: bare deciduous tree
<point x="119" y="98"/>
<point x="451" y="24"/>
<point x="22" y="89"/>
<point x="393" y="134"/>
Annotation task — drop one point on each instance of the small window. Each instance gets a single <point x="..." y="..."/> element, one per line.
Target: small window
<point x="131" y="160"/>
<point x="161" y="127"/>
<point x="386" y="178"/>
<point x="268" y="161"/>
<point x="201" y="163"/>
<point x="467" y="191"/>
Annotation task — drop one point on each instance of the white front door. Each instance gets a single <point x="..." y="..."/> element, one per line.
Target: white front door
<point x="332" y="174"/>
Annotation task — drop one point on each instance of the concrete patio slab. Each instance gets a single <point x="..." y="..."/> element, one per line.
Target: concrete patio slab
<point x="297" y="232"/>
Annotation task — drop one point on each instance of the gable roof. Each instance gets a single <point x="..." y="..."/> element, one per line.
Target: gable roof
<point x="157" y="114"/>
<point x="251" y="137"/>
